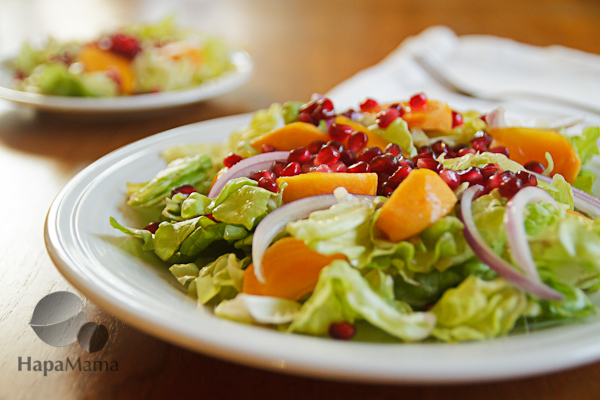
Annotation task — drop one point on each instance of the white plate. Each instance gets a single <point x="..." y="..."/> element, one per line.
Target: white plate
<point x="143" y="294"/>
<point x="243" y="68"/>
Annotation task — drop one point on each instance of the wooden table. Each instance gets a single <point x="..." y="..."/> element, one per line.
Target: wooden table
<point x="300" y="47"/>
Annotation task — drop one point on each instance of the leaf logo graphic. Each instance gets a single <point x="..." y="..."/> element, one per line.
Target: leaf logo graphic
<point x="57" y="318"/>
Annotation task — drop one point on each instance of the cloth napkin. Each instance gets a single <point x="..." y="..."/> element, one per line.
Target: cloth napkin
<point x="487" y="63"/>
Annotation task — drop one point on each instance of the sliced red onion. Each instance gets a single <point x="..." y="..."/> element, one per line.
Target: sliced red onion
<point x="274" y="223"/>
<point x="245" y="167"/>
<point x="495" y="119"/>
<point x="514" y="221"/>
<point x="485" y="254"/>
<point x="584" y="202"/>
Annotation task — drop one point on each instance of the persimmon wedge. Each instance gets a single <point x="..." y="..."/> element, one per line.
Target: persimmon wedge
<point x="531" y="144"/>
<point x="418" y="202"/>
<point x="291" y="270"/>
<point x="315" y="183"/>
<point x="434" y="116"/>
<point x="95" y="59"/>
<point x="290" y="137"/>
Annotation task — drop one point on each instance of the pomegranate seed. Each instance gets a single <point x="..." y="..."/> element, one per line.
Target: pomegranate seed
<point x="339" y="131"/>
<point x="483" y="117"/>
<point x="327" y="155"/>
<point x="325" y="109"/>
<point x="277" y="167"/>
<point x="369" y="105"/>
<point x="386" y="189"/>
<point x="495" y="181"/>
<point x="260" y="174"/>
<point x="348" y="157"/>
<point x="350" y="114"/>
<point x="309" y="107"/>
<point x="316" y="110"/>
<point x="526" y="178"/>
<point x="451" y="178"/>
<point x="184" y="189"/>
<point x="472" y="175"/>
<point x="406" y="162"/>
<point x="359" y="167"/>
<point x="459" y="147"/>
<point x="418" y="100"/>
<point x="393" y="149"/>
<point x="152" y="227"/>
<point x="126" y="46"/>
<point x="385" y="118"/>
<point x="382" y="178"/>
<point x="399" y="176"/>
<point x="430" y="163"/>
<point x="400" y="108"/>
<point x="369" y="153"/>
<point x="300" y="155"/>
<point x="500" y="150"/>
<point x="231" y="160"/>
<point x="269" y="184"/>
<point x="342" y="330"/>
<point x="440" y="148"/>
<point x="291" y="169"/>
<point x="481" y="141"/>
<point x="337" y="144"/>
<point x="457" y="119"/>
<point x="267" y="148"/>
<point x="338" y="166"/>
<point x="315" y="146"/>
<point x="510" y="187"/>
<point x="385" y="163"/>
<point x="423" y="156"/>
<point x="489" y="170"/>
<point x="424" y="149"/>
<point x="306" y="117"/>
<point x="321" y="168"/>
<point x="306" y="168"/>
<point x="210" y="216"/>
<point x="357" y="141"/>
<point x="535" y="166"/>
<point x="465" y="151"/>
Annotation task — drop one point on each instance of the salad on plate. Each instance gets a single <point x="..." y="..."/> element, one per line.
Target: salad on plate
<point x="404" y="221"/>
<point x="136" y="59"/>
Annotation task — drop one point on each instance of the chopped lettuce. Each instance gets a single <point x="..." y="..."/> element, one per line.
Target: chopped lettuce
<point x="143" y="234"/>
<point x="263" y="121"/>
<point x="258" y="309"/>
<point x="397" y="132"/>
<point x="586" y="144"/>
<point x="481" y="159"/>
<point x="221" y="279"/>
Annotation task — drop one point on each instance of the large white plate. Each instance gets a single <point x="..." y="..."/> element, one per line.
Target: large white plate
<point x="84" y="248"/>
<point x="242" y="71"/>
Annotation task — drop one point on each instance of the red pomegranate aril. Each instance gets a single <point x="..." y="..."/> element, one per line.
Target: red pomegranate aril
<point x="489" y="170"/>
<point x="324" y="109"/>
<point x="369" y="105"/>
<point x="457" y="119"/>
<point x="500" y="150"/>
<point x="342" y="330"/>
<point x="424" y="156"/>
<point x="466" y="150"/>
<point x="337" y="144"/>
<point x="126" y="46"/>
<point x="400" y="108"/>
<point x="439" y="148"/>
<point x="306" y="168"/>
<point x="314" y="147"/>
<point x="300" y="155"/>
<point x="369" y="153"/>
<point x="210" y="216"/>
<point x="384" y="163"/>
<point x="256" y="175"/>
<point x="393" y="149"/>
<point x="535" y="166"/>
<point x="418" y="100"/>
<point x="399" y="176"/>
<point x="458" y="147"/>
<point x="357" y="141"/>
<point x="152" y="227"/>
<point x="231" y="160"/>
<point x="277" y="167"/>
<point x="526" y="178"/>
<point x="359" y="168"/>
<point x="350" y="114"/>
<point x="291" y="169"/>
<point x="472" y="175"/>
<point x="268" y="184"/>
<point x="386" y="189"/>
<point x="406" y="162"/>
<point x="385" y="118"/>
<point x="479" y="144"/>
<point x="327" y="155"/>
<point x="321" y="168"/>
<point x="424" y="149"/>
<point x="339" y="131"/>
<point x="338" y="166"/>
<point x="430" y="163"/>
<point x="184" y="189"/>
<point x="266" y="148"/>
<point x="309" y="107"/>
<point x="510" y="187"/>
<point x="348" y="157"/>
<point x="451" y="178"/>
<point x="382" y="178"/>
<point x="306" y="117"/>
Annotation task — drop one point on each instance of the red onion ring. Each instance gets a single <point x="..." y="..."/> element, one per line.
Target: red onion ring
<point x="584" y="202"/>
<point x="485" y="254"/>
<point x="244" y="167"/>
<point x="274" y="223"/>
<point x="514" y="221"/>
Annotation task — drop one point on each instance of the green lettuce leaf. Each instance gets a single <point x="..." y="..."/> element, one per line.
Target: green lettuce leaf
<point x="291" y="110"/>
<point x="184" y="273"/>
<point x="585" y="181"/>
<point x="586" y="144"/>
<point x="258" y="309"/>
<point x="221" y="279"/>
<point x="143" y="234"/>
<point x="397" y="132"/>
<point x="342" y="294"/>
<point x="263" y="121"/>
<point x="481" y="159"/>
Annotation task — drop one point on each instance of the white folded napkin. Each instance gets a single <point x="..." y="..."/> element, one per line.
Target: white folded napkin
<point x="486" y="63"/>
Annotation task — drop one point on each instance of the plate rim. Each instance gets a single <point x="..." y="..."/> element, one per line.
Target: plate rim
<point x="228" y="81"/>
<point x="304" y="366"/>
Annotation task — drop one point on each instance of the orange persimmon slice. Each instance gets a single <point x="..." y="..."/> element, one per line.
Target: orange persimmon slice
<point x="95" y="59"/>
<point x="290" y="137"/>
<point x="315" y="183"/>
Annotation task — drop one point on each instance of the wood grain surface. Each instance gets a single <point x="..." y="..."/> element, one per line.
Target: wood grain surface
<point x="300" y="47"/>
